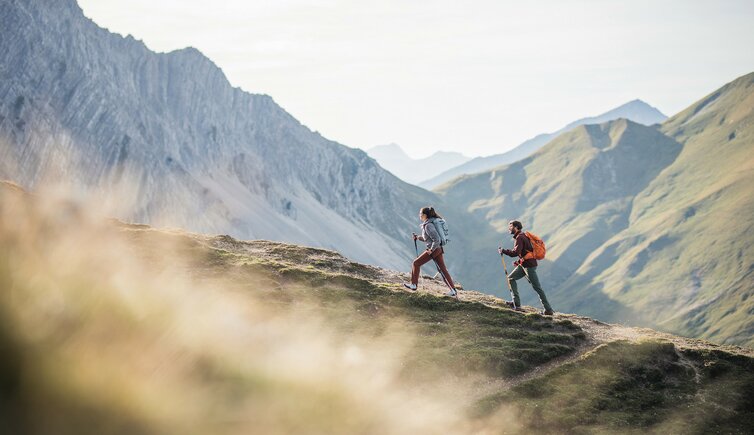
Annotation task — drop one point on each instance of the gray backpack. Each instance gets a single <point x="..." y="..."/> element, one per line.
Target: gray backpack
<point x="442" y="229"/>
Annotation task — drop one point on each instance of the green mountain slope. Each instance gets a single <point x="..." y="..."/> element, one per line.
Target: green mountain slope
<point x="116" y="328"/>
<point x="686" y="259"/>
<point x="576" y="193"/>
<point x="643" y="224"/>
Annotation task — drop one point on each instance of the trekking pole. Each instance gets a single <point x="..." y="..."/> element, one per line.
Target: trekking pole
<point x="505" y="268"/>
<point x="526" y="274"/>
<point x="416" y="248"/>
<point x="452" y="290"/>
<point x="439" y="272"/>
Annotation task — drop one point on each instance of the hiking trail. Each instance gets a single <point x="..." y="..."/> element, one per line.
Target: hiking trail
<point x="597" y="333"/>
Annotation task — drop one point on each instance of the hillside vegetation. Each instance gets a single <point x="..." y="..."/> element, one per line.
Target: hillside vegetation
<point x="118" y="328"/>
<point x="649" y="225"/>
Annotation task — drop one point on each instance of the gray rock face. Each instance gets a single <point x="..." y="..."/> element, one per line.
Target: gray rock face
<point x="165" y="139"/>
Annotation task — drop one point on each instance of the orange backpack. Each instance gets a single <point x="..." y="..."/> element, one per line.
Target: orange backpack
<point x="537" y="244"/>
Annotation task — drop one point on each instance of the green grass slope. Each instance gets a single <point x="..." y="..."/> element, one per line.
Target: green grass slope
<point x="116" y="328"/>
<point x="639" y="387"/>
<point x="686" y="259"/>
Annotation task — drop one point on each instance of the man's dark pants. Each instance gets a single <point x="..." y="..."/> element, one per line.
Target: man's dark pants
<point x="531" y="272"/>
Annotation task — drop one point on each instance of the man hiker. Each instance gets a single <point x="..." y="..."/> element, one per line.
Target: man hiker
<point x="524" y="267"/>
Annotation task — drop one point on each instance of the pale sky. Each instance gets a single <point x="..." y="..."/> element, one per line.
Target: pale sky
<point x="478" y="77"/>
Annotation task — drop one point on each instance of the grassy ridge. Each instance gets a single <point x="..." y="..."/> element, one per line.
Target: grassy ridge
<point x="625" y="387"/>
<point x="465" y="336"/>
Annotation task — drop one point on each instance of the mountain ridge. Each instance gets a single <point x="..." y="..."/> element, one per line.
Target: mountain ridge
<point x="635" y="110"/>
<point x="164" y="138"/>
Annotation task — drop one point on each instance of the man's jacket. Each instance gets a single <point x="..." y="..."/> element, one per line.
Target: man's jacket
<point x="521" y="246"/>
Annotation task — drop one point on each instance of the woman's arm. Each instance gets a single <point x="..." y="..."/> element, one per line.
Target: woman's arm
<point x="421" y="236"/>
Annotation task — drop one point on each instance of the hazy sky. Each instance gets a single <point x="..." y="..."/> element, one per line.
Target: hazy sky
<point x="477" y="77"/>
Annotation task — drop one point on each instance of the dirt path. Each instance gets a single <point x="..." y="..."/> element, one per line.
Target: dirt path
<point x="597" y="333"/>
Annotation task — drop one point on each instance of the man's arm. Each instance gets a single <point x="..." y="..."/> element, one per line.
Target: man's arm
<point x="517" y="247"/>
<point x="517" y="251"/>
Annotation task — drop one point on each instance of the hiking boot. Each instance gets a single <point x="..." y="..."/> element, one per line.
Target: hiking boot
<point x="547" y="312"/>
<point x="452" y="294"/>
<point x="512" y="306"/>
<point x="411" y="287"/>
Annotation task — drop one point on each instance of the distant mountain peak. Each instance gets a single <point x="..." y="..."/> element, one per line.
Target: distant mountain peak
<point x="635" y="110"/>
<point x="638" y="104"/>
<point x="392" y="146"/>
<point x="392" y="157"/>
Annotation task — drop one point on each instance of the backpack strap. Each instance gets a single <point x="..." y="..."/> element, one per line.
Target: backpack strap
<point x="528" y="255"/>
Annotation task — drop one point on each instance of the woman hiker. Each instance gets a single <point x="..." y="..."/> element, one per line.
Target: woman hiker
<point x="434" y="251"/>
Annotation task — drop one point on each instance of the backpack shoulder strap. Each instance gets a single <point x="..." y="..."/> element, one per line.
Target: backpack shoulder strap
<point x="528" y="246"/>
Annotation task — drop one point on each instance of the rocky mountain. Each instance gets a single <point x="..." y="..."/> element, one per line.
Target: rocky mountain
<point x="163" y="138"/>
<point x="394" y="159"/>
<point x="649" y="225"/>
<point x="637" y="111"/>
<point x="138" y="330"/>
